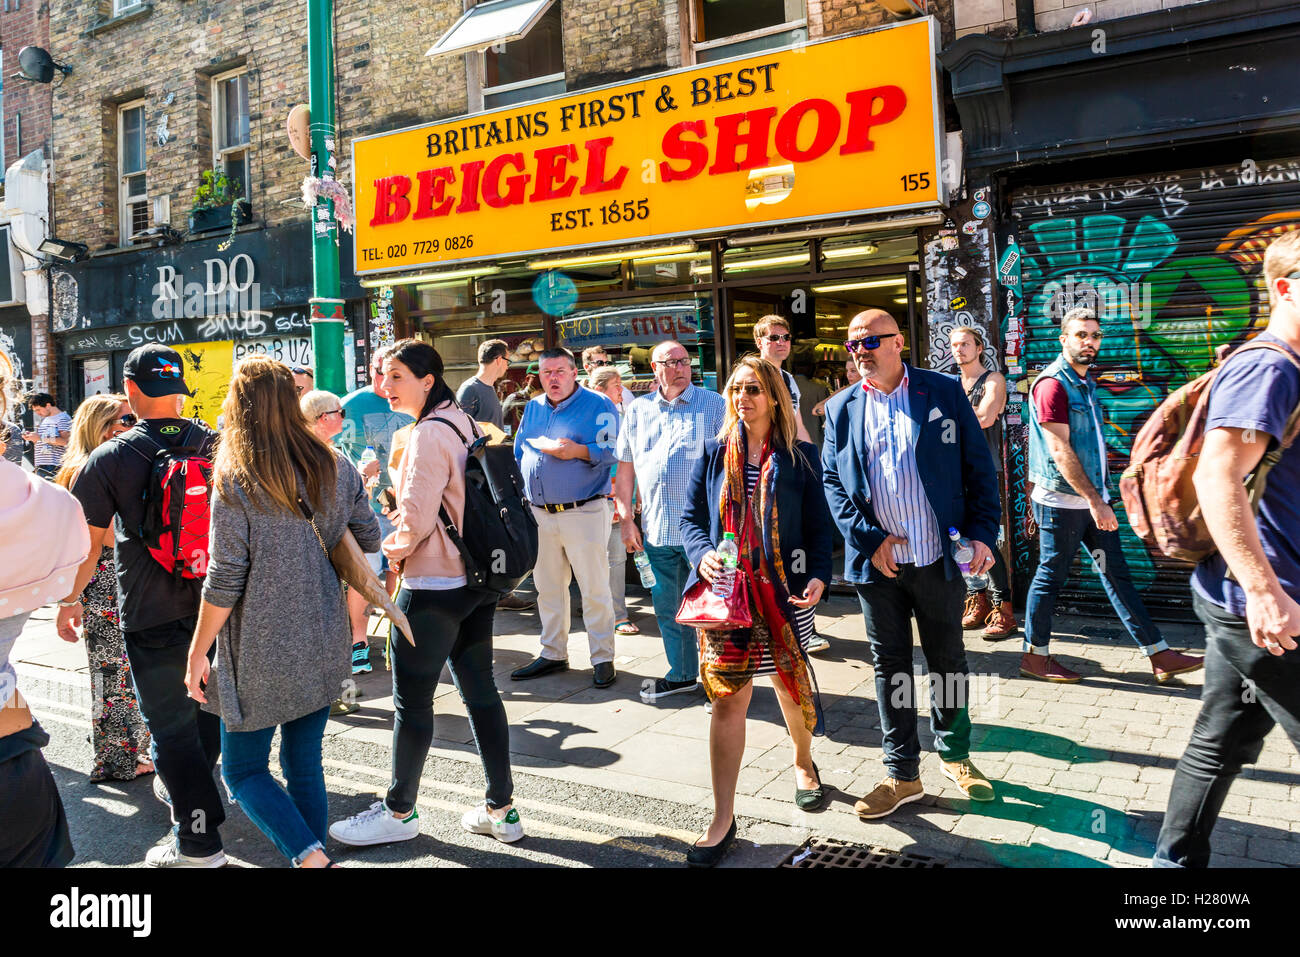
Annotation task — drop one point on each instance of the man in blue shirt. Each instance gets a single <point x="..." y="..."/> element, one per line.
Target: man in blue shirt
<point x="662" y="435"/>
<point x="566" y="447"/>
<point x="1247" y="593"/>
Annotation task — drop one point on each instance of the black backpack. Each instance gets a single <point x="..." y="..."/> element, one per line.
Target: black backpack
<point x="498" y="540"/>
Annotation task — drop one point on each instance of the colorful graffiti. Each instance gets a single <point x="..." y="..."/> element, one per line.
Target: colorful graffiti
<point x="1169" y="280"/>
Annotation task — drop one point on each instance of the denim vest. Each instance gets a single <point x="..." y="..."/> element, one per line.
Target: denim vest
<point x="1083" y="433"/>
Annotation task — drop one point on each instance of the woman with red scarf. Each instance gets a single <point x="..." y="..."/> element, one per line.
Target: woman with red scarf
<point x="757" y="481"/>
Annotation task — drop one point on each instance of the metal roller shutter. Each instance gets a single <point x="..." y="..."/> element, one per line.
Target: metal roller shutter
<point x="1172" y="264"/>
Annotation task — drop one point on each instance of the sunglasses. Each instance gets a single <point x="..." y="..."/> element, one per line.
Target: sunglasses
<point x="776" y="337"/>
<point x="868" y="343"/>
<point x="749" y="389"/>
<point x="299" y="370"/>
<point x="330" y="412"/>
<point x="1094" y="336"/>
<point x="128" y="420"/>
<point x="597" y="363"/>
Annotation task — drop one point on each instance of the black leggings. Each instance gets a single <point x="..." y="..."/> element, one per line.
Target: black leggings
<point x="451" y="627"/>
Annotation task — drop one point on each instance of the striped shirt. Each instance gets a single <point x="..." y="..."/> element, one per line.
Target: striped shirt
<point x="803" y="621"/>
<point x="892" y="476"/>
<point x="662" y="439"/>
<point x="47" y="429"/>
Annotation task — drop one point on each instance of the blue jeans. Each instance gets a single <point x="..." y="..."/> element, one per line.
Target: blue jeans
<point x="185" y="740"/>
<point x="672" y="568"/>
<point x="296" y="821"/>
<point x="1061" y="531"/>
<point x="888" y="607"/>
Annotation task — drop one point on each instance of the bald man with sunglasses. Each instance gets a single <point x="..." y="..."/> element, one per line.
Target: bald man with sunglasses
<point x="904" y="460"/>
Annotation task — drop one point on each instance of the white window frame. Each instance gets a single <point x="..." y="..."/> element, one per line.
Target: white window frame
<point x="476" y="65"/>
<point x="698" y="46"/>
<point x="219" y="153"/>
<point x="124" y="200"/>
<point x="121" y="7"/>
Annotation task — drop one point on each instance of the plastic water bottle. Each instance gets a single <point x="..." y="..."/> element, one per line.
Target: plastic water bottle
<point x="962" y="553"/>
<point x="368" y="456"/>
<point x="729" y="555"/>
<point x="642" y="562"/>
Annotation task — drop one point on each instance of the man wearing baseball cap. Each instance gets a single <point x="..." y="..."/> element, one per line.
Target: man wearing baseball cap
<point x="157" y="610"/>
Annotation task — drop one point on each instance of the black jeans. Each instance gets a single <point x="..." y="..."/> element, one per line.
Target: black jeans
<point x="999" y="587"/>
<point x="33" y="827"/>
<point x="451" y="627"/>
<point x="186" y="740"/>
<point x="888" y="607"/>
<point x="1246" y="692"/>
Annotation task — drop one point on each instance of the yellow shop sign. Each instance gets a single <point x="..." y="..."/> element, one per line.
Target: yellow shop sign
<point x="832" y="128"/>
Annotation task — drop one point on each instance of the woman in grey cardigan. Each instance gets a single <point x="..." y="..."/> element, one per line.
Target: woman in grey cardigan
<point x="273" y="604"/>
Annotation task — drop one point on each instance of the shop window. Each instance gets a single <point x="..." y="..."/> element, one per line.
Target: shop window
<point x="230" y="136"/>
<point x="516" y="44"/>
<point x="133" y="199"/>
<point x="6" y="274"/>
<point x="767" y="258"/>
<point x="868" y="249"/>
<point x="728" y="28"/>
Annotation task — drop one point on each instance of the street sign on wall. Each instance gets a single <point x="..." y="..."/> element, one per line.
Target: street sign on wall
<point x="832" y="128"/>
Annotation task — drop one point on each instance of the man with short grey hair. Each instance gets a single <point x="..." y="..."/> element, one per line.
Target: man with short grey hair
<point x="662" y="435"/>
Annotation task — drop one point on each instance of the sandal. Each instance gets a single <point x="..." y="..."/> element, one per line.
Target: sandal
<point x="626" y="628"/>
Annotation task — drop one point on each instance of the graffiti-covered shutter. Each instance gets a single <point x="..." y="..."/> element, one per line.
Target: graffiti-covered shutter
<point x="1172" y="265"/>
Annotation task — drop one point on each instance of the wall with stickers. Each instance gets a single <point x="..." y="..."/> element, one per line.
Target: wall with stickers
<point x="1172" y="265"/>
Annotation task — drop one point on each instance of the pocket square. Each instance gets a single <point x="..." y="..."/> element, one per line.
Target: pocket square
<point x="935" y="414"/>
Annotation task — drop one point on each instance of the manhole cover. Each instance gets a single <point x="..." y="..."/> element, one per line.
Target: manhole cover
<point x="827" y="852"/>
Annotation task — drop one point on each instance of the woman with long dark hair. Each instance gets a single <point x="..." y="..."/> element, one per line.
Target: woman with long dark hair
<point x="282" y="498"/>
<point x="452" y="620"/>
<point x="757" y="481"/>
<point x="118" y="735"/>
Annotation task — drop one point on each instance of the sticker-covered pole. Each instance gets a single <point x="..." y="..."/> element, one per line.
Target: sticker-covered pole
<point x="327" y="322"/>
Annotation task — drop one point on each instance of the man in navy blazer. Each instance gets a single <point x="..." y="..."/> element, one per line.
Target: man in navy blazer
<point x="903" y="461"/>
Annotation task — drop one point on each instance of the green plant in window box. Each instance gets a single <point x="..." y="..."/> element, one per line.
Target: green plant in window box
<point x="219" y="202"/>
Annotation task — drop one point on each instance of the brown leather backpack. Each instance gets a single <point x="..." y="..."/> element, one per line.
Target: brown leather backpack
<point x="1157" y="488"/>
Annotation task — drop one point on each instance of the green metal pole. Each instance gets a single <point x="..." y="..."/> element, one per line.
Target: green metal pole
<point x="327" y="322"/>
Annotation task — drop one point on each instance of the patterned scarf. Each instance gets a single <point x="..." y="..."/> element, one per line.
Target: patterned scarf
<point x="735" y="657"/>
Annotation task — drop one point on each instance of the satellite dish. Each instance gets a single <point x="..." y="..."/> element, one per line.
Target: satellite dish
<point x="38" y="66"/>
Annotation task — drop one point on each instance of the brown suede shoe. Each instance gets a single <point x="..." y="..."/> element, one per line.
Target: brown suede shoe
<point x="1046" y="668"/>
<point x="1001" y="622"/>
<point x="977" y="609"/>
<point x="967" y="777"/>
<point x="1165" y="664"/>
<point x="889" y="795"/>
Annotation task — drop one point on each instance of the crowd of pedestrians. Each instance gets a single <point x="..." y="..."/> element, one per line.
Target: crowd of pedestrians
<point x="721" y="500"/>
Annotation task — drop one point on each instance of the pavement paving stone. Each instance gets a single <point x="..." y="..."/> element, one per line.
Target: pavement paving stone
<point x="1275" y="851"/>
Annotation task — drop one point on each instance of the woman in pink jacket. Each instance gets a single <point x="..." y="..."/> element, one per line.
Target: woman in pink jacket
<point x="452" y="621"/>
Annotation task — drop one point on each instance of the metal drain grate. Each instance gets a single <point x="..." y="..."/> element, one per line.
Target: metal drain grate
<point x="827" y="852"/>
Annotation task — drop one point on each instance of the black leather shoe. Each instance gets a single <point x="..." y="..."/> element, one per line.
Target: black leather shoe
<point x="603" y="675"/>
<point x="814" y="799"/>
<point x="539" y="667"/>
<point x="710" y="856"/>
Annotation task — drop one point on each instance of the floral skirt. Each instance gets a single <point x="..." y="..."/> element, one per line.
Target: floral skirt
<point x="729" y="660"/>
<point x="118" y="734"/>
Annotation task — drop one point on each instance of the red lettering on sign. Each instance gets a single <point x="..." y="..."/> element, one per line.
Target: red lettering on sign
<point x="391" y="204"/>
<point x="862" y="117"/>
<point x="514" y="184"/>
<point x="674" y="147"/>
<point x="550" y="183"/>
<point x="469" y="177"/>
<point x="432" y="199"/>
<point x="595" y="181"/>
<point x="754" y="139"/>
<point x="825" y="132"/>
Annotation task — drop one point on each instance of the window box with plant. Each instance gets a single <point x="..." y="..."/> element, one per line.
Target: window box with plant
<point x="219" y="204"/>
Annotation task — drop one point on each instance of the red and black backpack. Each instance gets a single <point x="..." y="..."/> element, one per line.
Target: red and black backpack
<point x="177" y="502"/>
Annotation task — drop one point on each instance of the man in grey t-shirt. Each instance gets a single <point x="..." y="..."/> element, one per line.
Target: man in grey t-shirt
<point x="478" y="396"/>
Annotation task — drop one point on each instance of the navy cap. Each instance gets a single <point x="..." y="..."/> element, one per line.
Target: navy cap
<point x="156" y="370"/>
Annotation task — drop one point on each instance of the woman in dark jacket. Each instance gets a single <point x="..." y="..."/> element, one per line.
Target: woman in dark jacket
<point x="759" y="482"/>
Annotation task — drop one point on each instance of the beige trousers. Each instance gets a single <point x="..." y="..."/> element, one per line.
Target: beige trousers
<point x="574" y="544"/>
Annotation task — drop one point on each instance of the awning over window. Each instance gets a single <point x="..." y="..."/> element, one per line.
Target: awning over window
<point x="489" y="23"/>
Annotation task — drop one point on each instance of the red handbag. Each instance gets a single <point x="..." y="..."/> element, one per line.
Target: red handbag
<point x="701" y="608"/>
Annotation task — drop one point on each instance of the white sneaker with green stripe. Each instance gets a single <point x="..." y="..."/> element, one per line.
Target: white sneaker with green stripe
<point x="376" y="825"/>
<point x="479" y="821"/>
